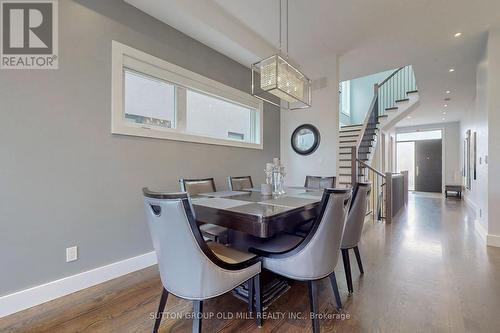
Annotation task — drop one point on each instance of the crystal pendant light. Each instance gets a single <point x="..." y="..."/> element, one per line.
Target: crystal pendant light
<point x="277" y="81"/>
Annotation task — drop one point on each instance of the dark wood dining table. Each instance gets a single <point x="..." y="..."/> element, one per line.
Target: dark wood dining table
<point x="249" y="213"/>
<point x="259" y="215"/>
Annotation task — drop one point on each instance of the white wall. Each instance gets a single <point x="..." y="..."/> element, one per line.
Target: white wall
<point x="476" y="120"/>
<point x="484" y="119"/>
<point x="493" y="97"/>
<point x="324" y="115"/>
<point x="451" y="149"/>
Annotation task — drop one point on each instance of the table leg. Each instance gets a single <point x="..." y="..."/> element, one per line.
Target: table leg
<point x="272" y="288"/>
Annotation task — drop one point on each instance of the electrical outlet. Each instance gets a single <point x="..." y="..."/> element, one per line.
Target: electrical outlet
<point x="71" y="253"/>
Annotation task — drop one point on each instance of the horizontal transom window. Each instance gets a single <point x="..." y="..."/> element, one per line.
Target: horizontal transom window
<point x="154" y="98"/>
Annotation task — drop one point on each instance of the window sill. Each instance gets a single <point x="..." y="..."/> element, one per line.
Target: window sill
<point x="177" y="136"/>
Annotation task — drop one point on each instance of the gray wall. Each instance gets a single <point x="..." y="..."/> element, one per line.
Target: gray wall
<point x="65" y="179"/>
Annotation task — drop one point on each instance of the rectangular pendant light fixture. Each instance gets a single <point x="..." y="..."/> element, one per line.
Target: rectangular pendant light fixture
<point x="276" y="81"/>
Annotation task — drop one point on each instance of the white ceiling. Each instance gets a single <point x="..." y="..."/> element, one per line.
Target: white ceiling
<point x="369" y="36"/>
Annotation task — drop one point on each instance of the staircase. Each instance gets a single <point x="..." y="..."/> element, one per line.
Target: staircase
<point x="349" y="137"/>
<point x="393" y="99"/>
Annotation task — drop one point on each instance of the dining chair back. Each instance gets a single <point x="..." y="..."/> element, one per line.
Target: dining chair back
<point x="317" y="255"/>
<point x="197" y="186"/>
<point x="240" y="183"/>
<point x="205" y="185"/>
<point x="315" y="182"/>
<point x="189" y="267"/>
<point x="356" y="216"/>
<point x="354" y="229"/>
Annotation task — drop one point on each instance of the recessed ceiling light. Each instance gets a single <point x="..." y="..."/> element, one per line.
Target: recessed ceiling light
<point x="458" y="34"/>
<point x="444" y="112"/>
<point x="443" y="118"/>
<point x="446" y="105"/>
<point x="448" y="92"/>
<point x="409" y="117"/>
<point x="451" y="70"/>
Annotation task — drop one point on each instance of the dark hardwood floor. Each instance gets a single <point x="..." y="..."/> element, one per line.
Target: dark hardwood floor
<point x="429" y="271"/>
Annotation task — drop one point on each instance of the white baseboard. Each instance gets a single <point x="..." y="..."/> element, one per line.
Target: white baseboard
<point x="28" y="298"/>
<point x="489" y="239"/>
<point x="481" y="230"/>
<point x="470" y="202"/>
<point x="493" y="240"/>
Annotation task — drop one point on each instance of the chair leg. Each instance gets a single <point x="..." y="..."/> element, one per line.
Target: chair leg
<point x="161" y="307"/>
<point x="347" y="268"/>
<point x="250" y="295"/>
<point x="335" y="287"/>
<point x="313" y="300"/>
<point x="198" y="313"/>
<point x="258" y="300"/>
<point x="358" y="259"/>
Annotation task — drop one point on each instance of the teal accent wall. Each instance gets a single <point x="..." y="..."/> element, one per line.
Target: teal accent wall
<point x="362" y="94"/>
<point x="361" y="97"/>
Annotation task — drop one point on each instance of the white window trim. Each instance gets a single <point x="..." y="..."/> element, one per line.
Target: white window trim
<point x="126" y="56"/>
<point x="346" y="98"/>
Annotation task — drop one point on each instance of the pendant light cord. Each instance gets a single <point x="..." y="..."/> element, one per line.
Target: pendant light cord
<point x="279" y="2"/>
<point x="280" y="45"/>
<point x="287" y="28"/>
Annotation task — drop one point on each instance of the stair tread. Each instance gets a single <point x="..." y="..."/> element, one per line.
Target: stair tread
<point x="412" y="92"/>
<point x="402" y="100"/>
<point x="351" y="130"/>
<point x="352" y="125"/>
<point x="391" y="108"/>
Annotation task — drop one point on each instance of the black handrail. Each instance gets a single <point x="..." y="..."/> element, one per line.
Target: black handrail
<point x="390" y="76"/>
<point x="366" y="165"/>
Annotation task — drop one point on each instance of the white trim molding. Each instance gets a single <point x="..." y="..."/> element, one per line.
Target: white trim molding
<point x="126" y="57"/>
<point x="493" y="240"/>
<point x="489" y="239"/>
<point x="28" y="298"/>
<point x="481" y="230"/>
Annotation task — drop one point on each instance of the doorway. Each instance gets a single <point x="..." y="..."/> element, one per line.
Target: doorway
<point x="421" y="153"/>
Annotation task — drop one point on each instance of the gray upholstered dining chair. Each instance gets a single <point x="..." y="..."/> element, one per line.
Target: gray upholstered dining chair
<point x="240" y="183"/>
<point x="191" y="268"/>
<point x="205" y="185"/>
<point x="316" y="182"/>
<point x="353" y="229"/>
<point x="314" y="257"/>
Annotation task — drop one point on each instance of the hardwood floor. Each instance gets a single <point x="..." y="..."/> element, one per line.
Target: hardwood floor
<point x="429" y="271"/>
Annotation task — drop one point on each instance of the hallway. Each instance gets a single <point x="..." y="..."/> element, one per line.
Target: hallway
<point x="428" y="271"/>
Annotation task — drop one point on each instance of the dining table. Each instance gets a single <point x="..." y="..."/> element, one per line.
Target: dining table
<point x="250" y="214"/>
